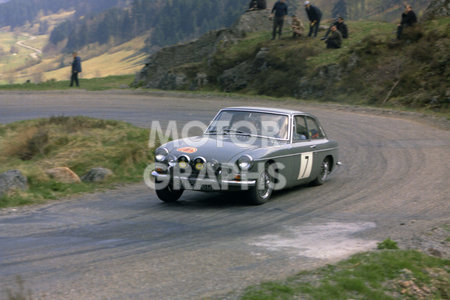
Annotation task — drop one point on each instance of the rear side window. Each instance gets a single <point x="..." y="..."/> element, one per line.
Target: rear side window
<point x="314" y="130"/>
<point x="300" y="131"/>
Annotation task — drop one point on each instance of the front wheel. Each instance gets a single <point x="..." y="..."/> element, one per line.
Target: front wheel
<point x="324" y="172"/>
<point x="168" y="194"/>
<point x="261" y="193"/>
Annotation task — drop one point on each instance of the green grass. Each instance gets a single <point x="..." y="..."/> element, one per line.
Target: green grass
<point x="387" y="274"/>
<point x="79" y="143"/>
<point x="94" y="84"/>
<point x="8" y="61"/>
<point x="357" y="32"/>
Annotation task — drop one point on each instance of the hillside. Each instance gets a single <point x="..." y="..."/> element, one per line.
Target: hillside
<point x="177" y="21"/>
<point x="113" y="35"/>
<point x="371" y="68"/>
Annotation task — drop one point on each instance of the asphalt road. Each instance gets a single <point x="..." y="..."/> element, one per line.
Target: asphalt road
<point x="126" y="244"/>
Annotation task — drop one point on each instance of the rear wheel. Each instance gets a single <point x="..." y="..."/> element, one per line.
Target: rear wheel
<point x="261" y="193"/>
<point x="168" y="194"/>
<point x="324" y="172"/>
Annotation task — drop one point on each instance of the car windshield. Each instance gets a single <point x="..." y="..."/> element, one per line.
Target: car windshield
<point x="250" y="123"/>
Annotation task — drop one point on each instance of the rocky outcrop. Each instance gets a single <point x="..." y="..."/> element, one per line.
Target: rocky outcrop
<point x="97" y="175"/>
<point x="437" y="9"/>
<point x="12" y="180"/>
<point x="252" y="21"/>
<point x="241" y="75"/>
<point x="159" y="71"/>
<point x="63" y="174"/>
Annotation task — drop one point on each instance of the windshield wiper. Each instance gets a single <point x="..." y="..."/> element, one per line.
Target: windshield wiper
<point x="236" y="132"/>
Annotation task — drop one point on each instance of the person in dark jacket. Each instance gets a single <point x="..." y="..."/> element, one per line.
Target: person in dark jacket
<point x="76" y="68"/>
<point x="409" y="18"/>
<point x="279" y="12"/>
<point x="341" y="26"/>
<point x="314" y="16"/>
<point x="257" y="4"/>
<point x="334" y="41"/>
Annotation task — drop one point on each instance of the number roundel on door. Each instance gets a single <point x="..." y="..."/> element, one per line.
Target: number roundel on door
<point x="306" y="163"/>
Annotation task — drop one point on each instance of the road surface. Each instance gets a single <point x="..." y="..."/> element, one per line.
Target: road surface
<point x="37" y="52"/>
<point x="126" y="244"/>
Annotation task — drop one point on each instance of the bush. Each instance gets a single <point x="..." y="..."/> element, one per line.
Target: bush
<point x="412" y="34"/>
<point x="387" y="244"/>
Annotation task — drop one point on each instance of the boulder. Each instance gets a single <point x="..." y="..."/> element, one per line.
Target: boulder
<point x="253" y="21"/>
<point x="12" y="180"/>
<point x="97" y="175"/>
<point x="63" y="174"/>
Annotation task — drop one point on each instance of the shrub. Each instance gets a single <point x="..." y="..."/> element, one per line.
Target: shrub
<point x="412" y="34"/>
<point x="387" y="244"/>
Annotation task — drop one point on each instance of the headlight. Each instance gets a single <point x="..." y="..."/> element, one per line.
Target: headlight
<point x="245" y="162"/>
<point x="183" y="161"/>
<point x="214" y="165"/>
<point x="161" y="154"/>
<point x="199" y="163"/>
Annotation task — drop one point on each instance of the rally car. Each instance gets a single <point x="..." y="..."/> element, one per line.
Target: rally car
<point x="253" y="150"/>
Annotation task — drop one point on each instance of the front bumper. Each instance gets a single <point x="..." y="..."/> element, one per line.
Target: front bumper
<point x="204" y="184"/>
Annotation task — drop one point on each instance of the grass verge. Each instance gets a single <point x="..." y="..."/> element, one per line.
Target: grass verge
<point x="94" y="84"/>
<point x="386" y="274"/>
<point x="79" y="143"/>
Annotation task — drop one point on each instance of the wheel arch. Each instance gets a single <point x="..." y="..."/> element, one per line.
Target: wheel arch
<point x="331" y="159"/>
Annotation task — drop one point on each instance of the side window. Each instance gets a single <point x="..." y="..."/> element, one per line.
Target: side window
<point x="300" y="130"/>
<point x="315" y="132"/>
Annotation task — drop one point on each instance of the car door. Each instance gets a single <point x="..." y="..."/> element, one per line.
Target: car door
<point x="303" y="147"/>
<point x="318" y="144"/>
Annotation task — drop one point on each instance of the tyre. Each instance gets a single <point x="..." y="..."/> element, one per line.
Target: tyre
<point x="324" y="172"/>
<point x="168" y="194"/>
<point x="261" y="193"/>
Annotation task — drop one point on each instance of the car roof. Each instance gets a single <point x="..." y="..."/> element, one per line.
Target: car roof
<point x="265" y="109"/>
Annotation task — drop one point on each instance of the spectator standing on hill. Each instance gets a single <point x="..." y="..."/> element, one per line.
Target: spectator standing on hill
<point x="279" y="12"/>
<point x="257" y="4"/>
<point x="76" y="68"/>
<point x="297" y="27"/>
<point x="409" y="18"/>
<point x="341" y="26"/>
<point x="335" y="39"/>
<point x="314" y="16"/>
